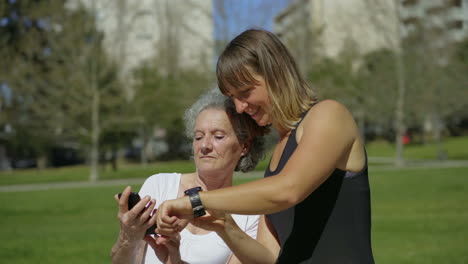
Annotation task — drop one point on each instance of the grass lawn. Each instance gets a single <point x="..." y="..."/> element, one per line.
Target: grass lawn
<point x="419" y="216"/>
<point x="456" y="148"/>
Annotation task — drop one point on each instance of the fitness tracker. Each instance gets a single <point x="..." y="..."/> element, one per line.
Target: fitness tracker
<point x="197" y="206"/>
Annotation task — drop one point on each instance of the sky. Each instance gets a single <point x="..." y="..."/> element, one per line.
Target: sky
<point x="234" y="16"/>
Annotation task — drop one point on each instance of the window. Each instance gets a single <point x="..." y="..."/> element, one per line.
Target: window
<point x="409" y="2"/>
<point x="455" y="24"/>
<point x="456" y="3"/>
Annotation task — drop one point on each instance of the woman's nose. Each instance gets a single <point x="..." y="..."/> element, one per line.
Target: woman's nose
<point x="206" y="146"/>
<point x="240" y="105"/>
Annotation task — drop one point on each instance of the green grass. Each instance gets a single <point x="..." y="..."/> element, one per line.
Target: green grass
<point x="60" y="226"/>
<point x="419" y="216"/>
<point x="456" y="148"/>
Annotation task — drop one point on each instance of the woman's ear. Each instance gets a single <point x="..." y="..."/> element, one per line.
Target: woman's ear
<point x="245" y="149"/>
<point x="244" y="152"/>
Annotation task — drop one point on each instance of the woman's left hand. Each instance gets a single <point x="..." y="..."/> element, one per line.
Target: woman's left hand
<point x="167" y="249"/>
<point x="212" y="221"/>
<point x="173" y="215"/>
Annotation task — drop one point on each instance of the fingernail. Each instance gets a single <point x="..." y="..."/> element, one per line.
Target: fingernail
<point x="154" y="211"/>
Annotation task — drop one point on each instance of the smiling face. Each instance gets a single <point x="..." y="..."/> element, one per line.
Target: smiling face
<point x="215" y="144"/>
<point x="253" y="100"/>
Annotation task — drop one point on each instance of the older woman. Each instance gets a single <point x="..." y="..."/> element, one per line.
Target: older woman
<point x="223" y="142"/>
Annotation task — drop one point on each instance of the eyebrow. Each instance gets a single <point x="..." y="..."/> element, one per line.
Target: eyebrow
<point x="212" y="131"/>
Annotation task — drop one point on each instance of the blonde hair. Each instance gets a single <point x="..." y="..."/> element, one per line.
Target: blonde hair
<point x="263" y="53"/>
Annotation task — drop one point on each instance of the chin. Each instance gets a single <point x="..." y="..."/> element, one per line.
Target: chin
<point x="263" y="122"/>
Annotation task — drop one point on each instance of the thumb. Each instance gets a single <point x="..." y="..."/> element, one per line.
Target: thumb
<point x="160" y="250"/>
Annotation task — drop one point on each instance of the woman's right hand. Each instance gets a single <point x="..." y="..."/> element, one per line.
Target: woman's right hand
<point x="134" y="222"/>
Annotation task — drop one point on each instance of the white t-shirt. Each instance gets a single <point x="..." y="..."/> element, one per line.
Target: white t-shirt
<point x="203" y="249"/>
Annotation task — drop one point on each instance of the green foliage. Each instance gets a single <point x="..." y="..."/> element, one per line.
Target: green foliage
<point x="61" y="78"/>
<point x="435" y="82"/>
<point x="378" y="73"/>
<point x="160" y="100"/>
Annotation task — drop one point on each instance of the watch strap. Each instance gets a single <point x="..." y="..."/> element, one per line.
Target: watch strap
<point x="194" y="197"/>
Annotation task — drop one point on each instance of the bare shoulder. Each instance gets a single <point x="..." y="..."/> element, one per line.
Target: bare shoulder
<point x="328" y="120"/>
<point x="329" y="111"/>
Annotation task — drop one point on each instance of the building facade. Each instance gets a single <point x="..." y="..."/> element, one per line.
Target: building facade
<point x="327" y="27"/>
<point x="447" y="18"/>
<point x="321" y="28"/>
<point x="175" y="34"/>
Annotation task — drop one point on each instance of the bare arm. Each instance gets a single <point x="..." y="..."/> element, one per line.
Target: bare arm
<point x="329" y="132"/>
<point x="124" y="252"/>
<point x="264" y="250"/>
<point x="244" y="247"/>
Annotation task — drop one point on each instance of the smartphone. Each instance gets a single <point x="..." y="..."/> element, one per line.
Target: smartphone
<point x="133" y="199"/>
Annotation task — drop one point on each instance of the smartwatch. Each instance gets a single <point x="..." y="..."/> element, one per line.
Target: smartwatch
<point x="194" y="197"/>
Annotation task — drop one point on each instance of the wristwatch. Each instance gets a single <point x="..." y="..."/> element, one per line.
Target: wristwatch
<point x="197" y="206"/>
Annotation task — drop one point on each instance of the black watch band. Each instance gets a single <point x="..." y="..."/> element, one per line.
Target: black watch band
<point x="194" y="197"/>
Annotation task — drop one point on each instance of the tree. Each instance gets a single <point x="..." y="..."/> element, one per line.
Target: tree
<point x="161" y="100"/>
<point x="434" y="83"/>
<point x="65" y="81"/>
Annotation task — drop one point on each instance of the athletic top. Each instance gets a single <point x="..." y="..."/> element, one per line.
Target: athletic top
<point x="202" y="249"/>
<point x="332" y="225"/>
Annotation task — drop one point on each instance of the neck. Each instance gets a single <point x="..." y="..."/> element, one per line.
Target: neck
<point x="283" y="133"/>
<point x="210" y="180"/>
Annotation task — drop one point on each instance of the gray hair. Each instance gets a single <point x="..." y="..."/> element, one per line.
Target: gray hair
<point x="247" y="131"/>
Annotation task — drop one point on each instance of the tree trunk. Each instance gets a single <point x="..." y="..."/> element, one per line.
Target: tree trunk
<point x="437" y="125"/>
<point x="143" y="156"/>
<point x="41" y="162"/>
<point x="400" y="101"/>
<point x="361" y="122"/>
<point x="94" y="156"/>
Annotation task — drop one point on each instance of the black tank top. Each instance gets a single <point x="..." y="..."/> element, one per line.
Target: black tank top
<point x="332" y="225"/>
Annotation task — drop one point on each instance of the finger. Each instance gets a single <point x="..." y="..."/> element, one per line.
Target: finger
<point x="180" y="224"/>
<point x="166" y="231"/>
<point x="162" y="219"/>
<point x="151" y="241"/>
<point x="123" y="201"/>
<point x="152" y="220"/>
<point x="145" y="216"/>
<point x="172" y="244"/>
<point x="164" y="228"/>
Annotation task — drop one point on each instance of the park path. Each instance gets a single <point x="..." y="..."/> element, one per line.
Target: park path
<point x="254" y="174"/>
<point x="88" y="184"/>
